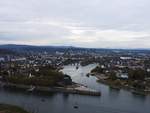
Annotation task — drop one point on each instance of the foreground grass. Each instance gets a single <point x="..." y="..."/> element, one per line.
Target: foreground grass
<point x="4" y="108"/>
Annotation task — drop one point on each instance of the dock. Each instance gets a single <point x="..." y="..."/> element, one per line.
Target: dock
<point x="80" y="89"/>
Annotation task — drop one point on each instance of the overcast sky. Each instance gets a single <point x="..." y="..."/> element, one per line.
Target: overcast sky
<point x="84" y="23"/>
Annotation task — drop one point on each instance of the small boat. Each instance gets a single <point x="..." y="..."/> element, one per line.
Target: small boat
<point x="76" y="107"/>
<point x="88" y="74"/>
<point x="31" y="89"/>
<point x="139" y="92"/>
<point x="115" y="87"/>
<point x="77" y="67"/>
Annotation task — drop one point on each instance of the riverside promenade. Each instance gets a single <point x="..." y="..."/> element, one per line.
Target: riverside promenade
<point x="74" y="89"/>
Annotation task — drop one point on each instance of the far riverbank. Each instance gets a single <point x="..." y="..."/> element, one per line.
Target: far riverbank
<point x="104" y="80"/>
<point x="71" y="89"/>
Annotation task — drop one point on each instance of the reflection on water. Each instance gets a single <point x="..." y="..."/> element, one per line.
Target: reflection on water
<point x="111" y="101"/>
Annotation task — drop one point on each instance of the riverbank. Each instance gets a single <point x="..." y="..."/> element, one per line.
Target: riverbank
<point x="71" y="89"/>
<point x="110" y="101"/>
<point x="118" y="86"/>
<point x="5" y="108"/>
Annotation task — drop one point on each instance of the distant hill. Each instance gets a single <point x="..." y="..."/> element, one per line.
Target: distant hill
<point x="6" y="51"/>
<point x="11" y="48"/>
<point x="30" y="48"/>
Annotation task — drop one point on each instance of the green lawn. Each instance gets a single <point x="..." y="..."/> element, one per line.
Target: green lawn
<point x="4" y="108"/>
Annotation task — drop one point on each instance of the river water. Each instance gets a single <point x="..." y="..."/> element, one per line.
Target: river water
<point x="111" y="101"/>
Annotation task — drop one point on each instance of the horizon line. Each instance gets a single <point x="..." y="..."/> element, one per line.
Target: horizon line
<point x="75" y="46"/>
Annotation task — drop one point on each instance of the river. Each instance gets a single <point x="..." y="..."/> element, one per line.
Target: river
<point x="111" y="101"/>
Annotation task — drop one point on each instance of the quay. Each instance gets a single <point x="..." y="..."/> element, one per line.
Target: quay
<point x="79" y="89"/>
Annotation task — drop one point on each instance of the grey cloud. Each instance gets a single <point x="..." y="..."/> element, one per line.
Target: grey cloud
<point x="73" y="21"/>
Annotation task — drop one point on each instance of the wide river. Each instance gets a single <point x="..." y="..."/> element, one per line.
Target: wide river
<point x="111" y="101"/>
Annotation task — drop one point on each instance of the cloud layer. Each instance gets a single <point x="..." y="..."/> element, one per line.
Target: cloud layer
<point x="85" y="23"/>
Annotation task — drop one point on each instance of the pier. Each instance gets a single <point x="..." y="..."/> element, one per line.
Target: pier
<point x="80" y="89"/>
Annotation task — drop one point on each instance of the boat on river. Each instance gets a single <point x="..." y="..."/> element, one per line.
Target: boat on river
<point x="115" y="87"/>
<point x="139" y="92"/>
<point x="31" y="89"/>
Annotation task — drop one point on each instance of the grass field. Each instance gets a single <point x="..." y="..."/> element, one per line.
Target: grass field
<point x="4" y="108"/>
